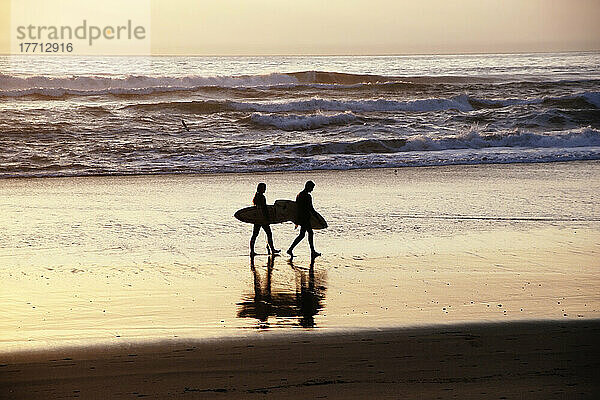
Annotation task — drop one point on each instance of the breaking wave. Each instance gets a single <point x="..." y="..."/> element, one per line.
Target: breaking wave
<point x="58" y="86"/>
<point x="462" y="103"/>
<point x="16" y="86"/>
<point x="467" y="140"/>
<point x="581" y="100"/>
<point x="294" y="122"/>
<point x="248" y="120"/>
<point x="474" y="140"/>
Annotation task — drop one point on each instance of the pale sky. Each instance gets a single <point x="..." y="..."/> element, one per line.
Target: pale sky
<point x="257" y="27"/>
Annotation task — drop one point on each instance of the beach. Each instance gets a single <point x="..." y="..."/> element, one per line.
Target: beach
<point x="485" y="277"/>
<point x="532" y="360"/>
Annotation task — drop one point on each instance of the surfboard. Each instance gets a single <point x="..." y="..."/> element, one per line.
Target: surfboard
<point x="281" y="211"/>
<point x="254" y="215"/>
<point x="289" y="209"/>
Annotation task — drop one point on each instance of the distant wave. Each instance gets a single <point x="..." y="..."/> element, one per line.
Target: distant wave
<point x="457" y="103"/>
<point x="58" y="86"/>
<point x="462" y="103"/>
<point x="51" y="86"/>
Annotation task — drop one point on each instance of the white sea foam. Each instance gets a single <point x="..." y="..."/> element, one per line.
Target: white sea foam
<point x="581" y="137"/>
<point x="132" y="84"/>
<point x="291" y="122"/>
<point x="469" y="140"/>
<point x="459" y="103"/>
<point x="142" y="84"/>
<point x="590" y="97"/>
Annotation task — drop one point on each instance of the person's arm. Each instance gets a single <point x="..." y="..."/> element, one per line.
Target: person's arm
<point x="311" y="209"/>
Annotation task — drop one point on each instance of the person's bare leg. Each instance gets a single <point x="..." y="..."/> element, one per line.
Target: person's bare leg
<point x="296" y="241"/>
<point x="253" y="239"/>
<point x="267" y="230"/>
<point x="313" y="252"/>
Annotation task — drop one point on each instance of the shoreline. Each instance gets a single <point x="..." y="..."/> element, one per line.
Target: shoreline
<point x="536" y="359"/>
<point x="277" y="172"/>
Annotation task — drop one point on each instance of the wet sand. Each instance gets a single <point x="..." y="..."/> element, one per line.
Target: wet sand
<point x="112" y="259"/>
<point x="519" y="360"/>
<point x="96" y="269"/>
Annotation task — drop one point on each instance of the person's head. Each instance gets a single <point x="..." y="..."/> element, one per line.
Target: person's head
<point x="261" y="188"/>
<point x="309" y="186"/>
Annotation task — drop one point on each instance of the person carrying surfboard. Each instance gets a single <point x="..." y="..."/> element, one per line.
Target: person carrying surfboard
<point x="260" y="201"/>
<point x="305" y="211"/>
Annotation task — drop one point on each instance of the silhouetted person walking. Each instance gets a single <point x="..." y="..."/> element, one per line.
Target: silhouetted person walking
<point x="260" y="201"/>
<point x="305" y="211"/>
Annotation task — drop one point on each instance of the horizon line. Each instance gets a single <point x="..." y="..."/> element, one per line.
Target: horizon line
<point x="307" y="54"/>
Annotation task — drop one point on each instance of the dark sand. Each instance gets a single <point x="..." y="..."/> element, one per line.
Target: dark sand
<point x="517" y="360"/>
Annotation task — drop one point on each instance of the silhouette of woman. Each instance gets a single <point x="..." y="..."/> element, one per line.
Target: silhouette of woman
<point x="260" y="201"/>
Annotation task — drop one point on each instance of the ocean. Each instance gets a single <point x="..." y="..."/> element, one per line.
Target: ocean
<point x="79" y="116"/>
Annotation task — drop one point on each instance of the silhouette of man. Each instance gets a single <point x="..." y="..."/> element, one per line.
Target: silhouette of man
<point x="260" y="201"/>
<point x="305" y="211"/>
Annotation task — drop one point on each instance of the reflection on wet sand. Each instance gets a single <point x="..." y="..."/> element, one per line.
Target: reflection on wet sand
<point x="287" y="306"/>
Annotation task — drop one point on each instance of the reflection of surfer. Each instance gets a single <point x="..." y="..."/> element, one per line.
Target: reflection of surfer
<point x="283" y="303"/>
<point x="262" y="298"/>
<point x="305" y="211"/>
<point x="309" y="298"/>
<point x="260" y="201"/>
